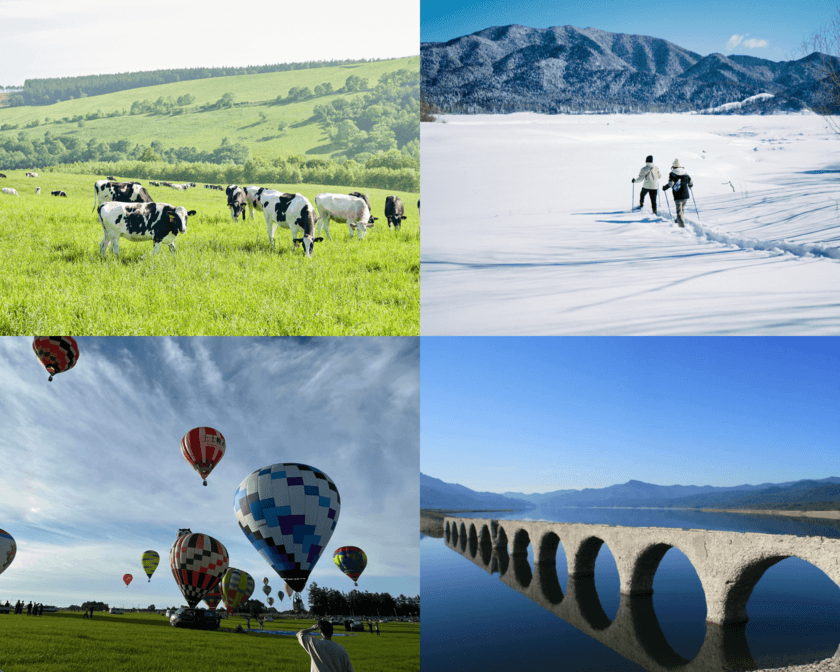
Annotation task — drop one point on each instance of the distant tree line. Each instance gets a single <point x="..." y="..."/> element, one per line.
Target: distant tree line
<point x="53" y="90"/>
<point x="329" y="601"/>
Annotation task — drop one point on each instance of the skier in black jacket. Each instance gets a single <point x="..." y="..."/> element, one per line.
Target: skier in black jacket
<point x="680" y="181"/>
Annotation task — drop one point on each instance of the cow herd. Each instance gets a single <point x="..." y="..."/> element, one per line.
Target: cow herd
<point x="127" y="210"/>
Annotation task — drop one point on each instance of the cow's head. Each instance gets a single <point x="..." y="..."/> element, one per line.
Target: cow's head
<point x="397" y="219"/>
<point x="177" y="219"/>
<point x="308" y="243"/>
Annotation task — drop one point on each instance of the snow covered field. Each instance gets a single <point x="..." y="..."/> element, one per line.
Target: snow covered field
<point x="527" y="229"/>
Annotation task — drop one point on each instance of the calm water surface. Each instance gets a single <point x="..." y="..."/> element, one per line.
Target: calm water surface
<point x="473" y="621"/>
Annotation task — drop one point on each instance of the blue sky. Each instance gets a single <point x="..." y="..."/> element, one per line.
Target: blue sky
<point x="543" y="414"/>
<point x="53" y="38"/>
<point x="92" y="474"/>
<point x="774" y="29"/>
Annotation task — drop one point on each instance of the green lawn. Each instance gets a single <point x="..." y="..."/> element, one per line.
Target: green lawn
<point x="65" y="642"/>
<point x="224" y="280"/>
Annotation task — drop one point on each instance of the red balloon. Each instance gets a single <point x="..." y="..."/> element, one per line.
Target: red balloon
<point x="127" y="578"/>
<point x="57" y="353"/>
<point x="203" y="447"/>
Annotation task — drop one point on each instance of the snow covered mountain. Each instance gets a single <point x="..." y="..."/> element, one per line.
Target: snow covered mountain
<point x="568" y="69"/>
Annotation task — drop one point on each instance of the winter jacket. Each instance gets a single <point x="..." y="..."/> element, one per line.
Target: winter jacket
<point x="680" y="181"/>
<point x="650" y="174"/>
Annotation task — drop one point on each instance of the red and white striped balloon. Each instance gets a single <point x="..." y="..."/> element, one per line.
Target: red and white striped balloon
<point x="203" y="447"/>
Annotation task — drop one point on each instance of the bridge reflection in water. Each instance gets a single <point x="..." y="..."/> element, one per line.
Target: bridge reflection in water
<point x="729" y="565"/>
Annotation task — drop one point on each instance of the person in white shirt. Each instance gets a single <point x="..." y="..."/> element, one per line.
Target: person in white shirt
<point x="650" y="174"/>
<point x="326" y="655"/>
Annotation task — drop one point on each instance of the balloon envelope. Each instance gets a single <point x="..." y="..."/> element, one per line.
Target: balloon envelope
<point x="198" y="562"/>
<point x="288" y="511"/>
<point x="280" y="595"/>
<point x="270" y="601"/>
<point x="8" y="548"/>
<point x="267" y="590"/>
<point x="265" y="581"/>
<point x="237" y="587"/>
<point x="127" y="578"/>
<point x="288" y="590"/>
<point x="151" y="560"/>
<point x="351" y="560"/>
<point x="57" y="353"/>
<point x="203" y="447"/>
<point x="212" y="598"/>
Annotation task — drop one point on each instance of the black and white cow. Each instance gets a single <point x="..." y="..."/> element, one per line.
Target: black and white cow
<point x="38" y="190"/>
<point x="159" y="222"/>
<point x="3" y="176"/>
<point x="394" y="211"/>
<point x="236" y="202"/>
<point x="120" y="192"/>
<point x="31" y="174"/>
<point x="112" y="178"/>
<point x="9" y="191"/>
<point x="255" y="195"/>
<point x="58" y="193"/>
<point x="293" y="212"/>
<point x="350" y="209"/>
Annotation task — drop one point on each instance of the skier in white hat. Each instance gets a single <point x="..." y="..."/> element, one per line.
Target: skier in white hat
<point x="680" y="181"/>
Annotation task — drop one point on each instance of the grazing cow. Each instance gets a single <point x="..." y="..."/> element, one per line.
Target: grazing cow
<point x="159" y="222"/>
<point x="112" y="178"/>
<point x="120" y="192"/>
<point x="10" y="191"/>
<point x="38" y="190"/>
<point x="58" y="193"/>
<point x="255" y="195"/>
<point x="350" y="209"/>
<point x="236" y="202"/>
<point x="394" y="211"/>
<point x="3" y="176"/>
<point x="292" y="212"/>
<point x="31" y="174"/>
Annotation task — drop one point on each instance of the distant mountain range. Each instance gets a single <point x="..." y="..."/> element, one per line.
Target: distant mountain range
<point x="568" y="69"/>
<point x="825" y="493"/>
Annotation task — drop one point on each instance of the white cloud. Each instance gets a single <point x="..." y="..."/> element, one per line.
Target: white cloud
<point x="734" y="41"/>
<point x="755" y="44"/>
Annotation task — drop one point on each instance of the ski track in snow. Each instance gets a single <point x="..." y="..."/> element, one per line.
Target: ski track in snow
<point x="527" y="228"/>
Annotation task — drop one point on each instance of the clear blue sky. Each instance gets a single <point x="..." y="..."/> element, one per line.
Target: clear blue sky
<point x="703" y="27"/>
<point x="543" y="414"/>
<point x="92" y="473"/>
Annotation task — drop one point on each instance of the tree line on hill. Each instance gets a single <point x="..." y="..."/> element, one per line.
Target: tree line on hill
<point x="54" y="90"/>
<point x="329" y="601"/>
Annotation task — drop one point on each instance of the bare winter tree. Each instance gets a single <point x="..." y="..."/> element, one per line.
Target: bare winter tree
<point x="826" y="67"/>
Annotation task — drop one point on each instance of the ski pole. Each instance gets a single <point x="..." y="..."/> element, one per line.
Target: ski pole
<point x="633" y="196"/>
<point x="669" y="205"/>
<point x="693" y="201"/>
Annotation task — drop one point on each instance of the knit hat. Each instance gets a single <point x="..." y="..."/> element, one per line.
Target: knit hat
<point x="649" y="159"/>
<point x="676" y="163"/>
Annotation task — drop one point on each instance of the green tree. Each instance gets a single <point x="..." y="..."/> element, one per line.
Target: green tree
<point x="149" y="155"/>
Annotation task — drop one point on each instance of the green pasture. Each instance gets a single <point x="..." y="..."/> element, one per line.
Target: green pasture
<point x="224" y="280"/>
<point x="66" y="642"/>
<point x="205" y="130"/>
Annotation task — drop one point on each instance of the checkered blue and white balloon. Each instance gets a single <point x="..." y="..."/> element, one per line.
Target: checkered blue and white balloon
<point x="288" y="511"/>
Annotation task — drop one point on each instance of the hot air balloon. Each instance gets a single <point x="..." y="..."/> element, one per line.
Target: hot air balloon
<point x="280" y="595"/>
<point x="237" y="587"/>
<point x="270" y="601"/>
<point x="288" y="512"/>
<point x="127" y="578"/>
<point x="150" y="562"/>
<point x="267" y="590"/>
<point x="265" y="581"/>
<point x="198" y="562"/>
<point x="351" y="560"/>
<point x="288" y="590"/>
<point x="212" y="598"/>
<point x="203" y="447"/>
<point x="57" y="353"/>
<point x="8" y="548"/>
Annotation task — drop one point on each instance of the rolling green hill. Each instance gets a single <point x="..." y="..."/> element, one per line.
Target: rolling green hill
<point x="252" y="121"/>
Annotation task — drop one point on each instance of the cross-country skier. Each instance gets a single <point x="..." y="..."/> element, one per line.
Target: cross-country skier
<point x="650" y="174"/>
<point x="680" y="181"/>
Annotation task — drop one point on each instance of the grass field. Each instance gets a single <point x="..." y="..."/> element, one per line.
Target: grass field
<point x="224" y="280"/>
<point x="65" y="642"/>
<point x="205" y="130"/>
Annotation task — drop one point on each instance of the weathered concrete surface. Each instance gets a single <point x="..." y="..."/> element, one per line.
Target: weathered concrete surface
<point x="729" y="564"/>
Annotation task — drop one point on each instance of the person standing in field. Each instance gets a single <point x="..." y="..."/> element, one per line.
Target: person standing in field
<point x="649" y="176"/>
<point x="377" y="627"/>
<point x="326" y="655"/>
<point x="680" y="182"/>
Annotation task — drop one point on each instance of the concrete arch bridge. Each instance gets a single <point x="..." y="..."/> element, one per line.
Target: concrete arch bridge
<point x="729" y="565"/>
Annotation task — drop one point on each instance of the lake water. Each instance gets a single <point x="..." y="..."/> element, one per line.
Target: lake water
<point x="474" y="621"/>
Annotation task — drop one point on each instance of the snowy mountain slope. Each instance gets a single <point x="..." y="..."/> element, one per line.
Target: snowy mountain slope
<point x="528" y="228"/>
<point x="563" y="69"/>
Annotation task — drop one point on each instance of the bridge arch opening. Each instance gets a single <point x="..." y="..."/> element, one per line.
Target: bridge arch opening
<point x="596" y="583"/>
<point x="447" y="534"/>
<point x="485" y="545"/>
<point x="462" y="536"/>
<point x="793" y="609"/>
<point x="502" y="554"/>
<point x="553" y="571"/>
<point x="473" y="540"/>
<point x="522" y="554"/>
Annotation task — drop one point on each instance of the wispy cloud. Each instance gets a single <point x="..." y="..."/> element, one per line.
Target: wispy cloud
<point x="755" y="44"/>
<point x="734" y="41"/>
<point x="752" y="43"/>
